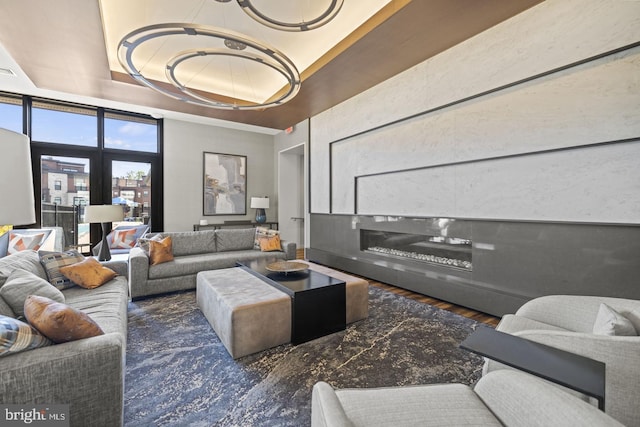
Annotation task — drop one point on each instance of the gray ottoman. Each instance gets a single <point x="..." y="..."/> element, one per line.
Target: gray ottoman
<point x="247" y="314"/>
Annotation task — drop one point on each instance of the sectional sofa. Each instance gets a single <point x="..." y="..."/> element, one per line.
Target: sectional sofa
<point x="87" y="374"/>
<point x="196" y="251"/>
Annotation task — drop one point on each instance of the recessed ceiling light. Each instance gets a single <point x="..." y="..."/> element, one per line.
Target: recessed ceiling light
<point x="7" y="72"/>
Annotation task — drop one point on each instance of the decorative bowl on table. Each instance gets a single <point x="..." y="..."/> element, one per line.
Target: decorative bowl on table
<point x="286" y="267"/>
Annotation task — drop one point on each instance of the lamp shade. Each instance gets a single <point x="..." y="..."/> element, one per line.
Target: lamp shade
<point x="16" y="181"/>
<point x="103" y="213"/>
<point x="259" y="203"/>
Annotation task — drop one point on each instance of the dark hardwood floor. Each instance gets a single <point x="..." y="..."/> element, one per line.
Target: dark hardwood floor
<point x="463" y="311"/>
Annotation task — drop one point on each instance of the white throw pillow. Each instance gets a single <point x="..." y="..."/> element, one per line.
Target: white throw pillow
<point x="610" y="322"/>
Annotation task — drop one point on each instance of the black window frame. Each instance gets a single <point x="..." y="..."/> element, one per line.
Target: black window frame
<point x="99" y="157"/>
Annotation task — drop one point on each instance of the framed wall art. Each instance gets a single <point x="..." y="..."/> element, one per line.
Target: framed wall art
<point x="225" y="184"/>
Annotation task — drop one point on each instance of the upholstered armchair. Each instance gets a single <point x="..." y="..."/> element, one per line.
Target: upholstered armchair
<point x="501" y="398"/>
<point x="567" y="322"/>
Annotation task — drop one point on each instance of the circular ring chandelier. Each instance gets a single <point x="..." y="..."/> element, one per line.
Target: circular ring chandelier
<point x="267" y="56"/>
<point x="312" y="24"/>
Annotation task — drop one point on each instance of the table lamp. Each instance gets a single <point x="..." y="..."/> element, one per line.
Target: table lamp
<point x="104" y="214"/>
<point x="16" y="180"/>
<point x="260" y="204"/>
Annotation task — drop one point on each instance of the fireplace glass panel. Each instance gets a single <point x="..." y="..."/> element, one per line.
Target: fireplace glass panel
<point x="446" y="251"/>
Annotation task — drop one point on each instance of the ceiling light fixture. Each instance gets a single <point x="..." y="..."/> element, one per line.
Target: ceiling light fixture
<point x="264" y="55"/>
<point x="312" y="24"/>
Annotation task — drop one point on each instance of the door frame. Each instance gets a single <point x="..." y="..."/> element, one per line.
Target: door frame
<point x="299" y="150"/>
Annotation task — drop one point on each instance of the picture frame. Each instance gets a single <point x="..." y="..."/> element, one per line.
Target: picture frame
<point x="224" y="184"/>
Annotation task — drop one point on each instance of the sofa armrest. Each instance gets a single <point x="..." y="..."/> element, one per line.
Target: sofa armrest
<point x="289" y="248"/>
<point x="119" y="267"/>
<point x="87" y="374"/>
<point x="620" y="355"/>
<point x="516" y="398"/>
<point x="138" y="271"/>
<point x="326" y="409"/>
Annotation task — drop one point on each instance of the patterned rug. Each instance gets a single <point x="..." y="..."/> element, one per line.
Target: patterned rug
<point x="179" y="373"/>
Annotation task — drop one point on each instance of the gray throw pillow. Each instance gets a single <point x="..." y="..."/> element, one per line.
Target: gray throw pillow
<point x="21" y="284"/>
<point x="53" y="261"/>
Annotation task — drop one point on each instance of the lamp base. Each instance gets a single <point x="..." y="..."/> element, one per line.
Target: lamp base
<point x="261" y="216"/>
<point x="105" y="253"/>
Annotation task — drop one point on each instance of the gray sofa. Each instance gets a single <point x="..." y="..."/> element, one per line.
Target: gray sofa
<point x="567" y="322"/>
<point x="501" y="398"/>
<point x="195" y="251"/>
<point x="87" y="374"/>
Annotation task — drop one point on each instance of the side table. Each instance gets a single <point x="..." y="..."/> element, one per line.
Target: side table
<point x="571" y="370"/>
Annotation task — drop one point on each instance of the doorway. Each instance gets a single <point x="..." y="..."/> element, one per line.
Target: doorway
<point x="291" y="194"/>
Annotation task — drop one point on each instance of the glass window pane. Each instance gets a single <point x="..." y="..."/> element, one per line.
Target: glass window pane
<point x="65" y="193"/>
<point x="131" y="187"/>
<point x="123" y="132"/>
<point x="11" y="113"/>
<point x="64" y="124"/>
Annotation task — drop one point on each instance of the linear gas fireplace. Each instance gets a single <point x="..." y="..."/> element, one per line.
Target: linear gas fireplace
<point x="446" y="251"/>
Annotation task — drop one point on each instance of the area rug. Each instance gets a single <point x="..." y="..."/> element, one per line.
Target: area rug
<point x="179" y="373"/>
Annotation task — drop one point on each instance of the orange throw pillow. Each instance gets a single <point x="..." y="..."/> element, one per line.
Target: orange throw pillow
<point x="59" y="322"/>
<point x="88" y="274"/>
<point x="271" y="243"/>
<point x="160" y="251"/>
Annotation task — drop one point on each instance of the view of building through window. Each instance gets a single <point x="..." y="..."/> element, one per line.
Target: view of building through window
<point x="131" y="188"/>
<point x="64" y="194"/>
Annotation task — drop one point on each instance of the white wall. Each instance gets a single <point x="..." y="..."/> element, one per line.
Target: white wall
<point x="489" y="156"/>
<point x="184" y="145"/>
<point x="291" y="155"/>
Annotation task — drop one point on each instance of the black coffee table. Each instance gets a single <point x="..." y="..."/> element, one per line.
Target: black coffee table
<point x="318" y="301"/>
<point x="561" y="367"/>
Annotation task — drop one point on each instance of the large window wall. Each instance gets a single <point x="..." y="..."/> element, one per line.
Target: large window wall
<point x="85" y="155"/>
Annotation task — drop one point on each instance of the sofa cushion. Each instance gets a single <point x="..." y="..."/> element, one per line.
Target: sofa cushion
<point x="24" y="241"/>
<point x="192" y="242"/>
<point x="53" y="261"/>
<point x="88" y="273"/>
<point x="440" y="404"/>
<point x="5" y="309"/>
<point x="186" y="265"/>
<point x="25" y="260"/>
<point x="235" y="239"/>
<point x="160" y="251"/>
<point x="106" y="305"/>
<point x="17" y="336"/>
<point x="21" y="284"/>
<point x="59" y="322"/>
<point x="610" y="322"/>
